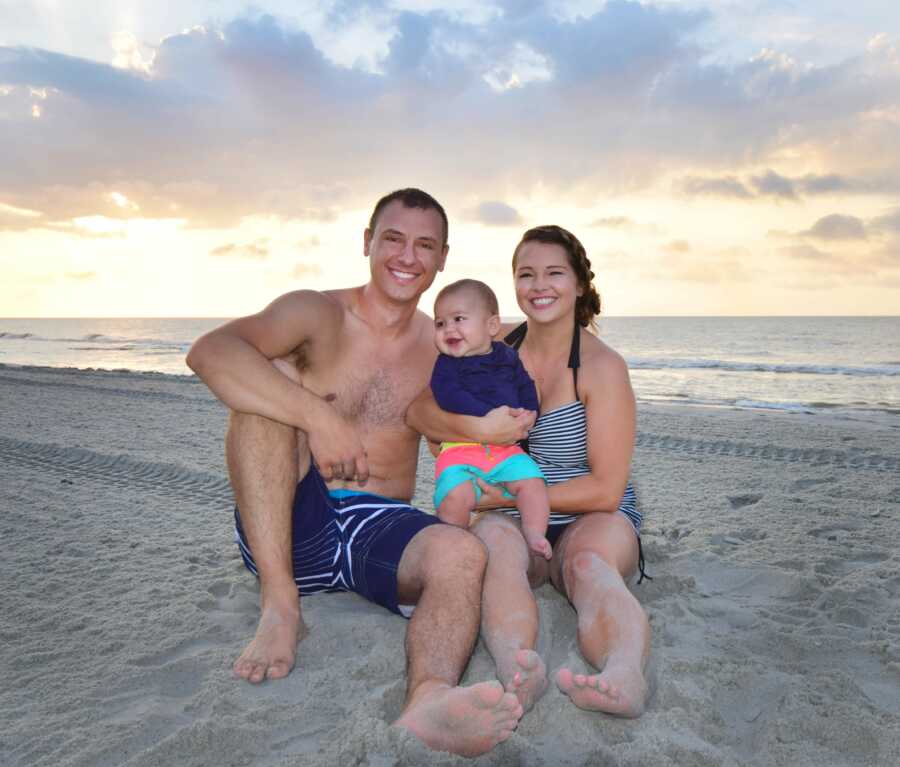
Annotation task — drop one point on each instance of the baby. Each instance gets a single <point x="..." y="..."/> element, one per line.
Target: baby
<point x="473" y="375"/>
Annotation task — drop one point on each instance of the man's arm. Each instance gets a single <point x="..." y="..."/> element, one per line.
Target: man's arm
<point x="501" y="426"/>
<point x="234" y="360"/>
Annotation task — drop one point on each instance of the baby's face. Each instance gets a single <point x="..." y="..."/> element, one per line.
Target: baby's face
<point x="463" y="325"/>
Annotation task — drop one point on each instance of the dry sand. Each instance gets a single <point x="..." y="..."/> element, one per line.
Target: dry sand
<point x="772" y="540"/>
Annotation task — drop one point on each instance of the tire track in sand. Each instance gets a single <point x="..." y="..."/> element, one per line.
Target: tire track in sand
<point x="172" y="479"/>
<point x="119" y="470"/>
<point x="701" y="448"/>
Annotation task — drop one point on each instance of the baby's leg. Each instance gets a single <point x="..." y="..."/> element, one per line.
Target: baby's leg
<point x="534" y="508"/>
<point x="457" y="505"/>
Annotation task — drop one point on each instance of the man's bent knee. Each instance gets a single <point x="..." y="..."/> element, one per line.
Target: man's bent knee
<point x="446" y="548"/>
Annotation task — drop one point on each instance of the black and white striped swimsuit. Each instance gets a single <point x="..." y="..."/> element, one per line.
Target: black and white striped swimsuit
<point x="558" y="444"/>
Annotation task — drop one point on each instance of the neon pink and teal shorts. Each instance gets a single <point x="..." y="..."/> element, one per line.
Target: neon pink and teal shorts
<point x="470" y="461"/>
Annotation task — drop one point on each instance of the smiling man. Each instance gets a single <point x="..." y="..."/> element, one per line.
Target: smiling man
<point x="323" y="467"/>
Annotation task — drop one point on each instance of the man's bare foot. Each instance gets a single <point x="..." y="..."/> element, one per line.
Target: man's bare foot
<point x="468" y="721"/>
<point x="271" y="653"/>
<point x="618" y="690"/>
<point x="526" y="678"/>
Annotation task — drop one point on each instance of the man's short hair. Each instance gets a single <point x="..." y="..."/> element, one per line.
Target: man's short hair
<point x="411" y="198"/>
<point x="484" y="292"/>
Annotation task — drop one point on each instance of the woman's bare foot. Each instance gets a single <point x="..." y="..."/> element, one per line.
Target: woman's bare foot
<point x="271" y="653"/>
<point x="617" y="690"/>
<point x="526" y="678"/>
<point x="468" y="721"/>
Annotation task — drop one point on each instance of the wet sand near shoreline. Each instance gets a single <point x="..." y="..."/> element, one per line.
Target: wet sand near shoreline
<point x="774" y="604"/>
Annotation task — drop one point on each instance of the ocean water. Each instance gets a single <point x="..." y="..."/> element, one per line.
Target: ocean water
<point x="842" y="365"/>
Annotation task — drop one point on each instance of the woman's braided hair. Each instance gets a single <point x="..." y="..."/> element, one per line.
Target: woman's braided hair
<point x="587" y="305"/>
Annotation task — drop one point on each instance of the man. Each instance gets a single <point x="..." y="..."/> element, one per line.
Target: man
<point x="331" y="407"/>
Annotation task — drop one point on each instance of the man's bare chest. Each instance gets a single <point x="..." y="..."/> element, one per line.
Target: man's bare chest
<point x="370" y="389"/>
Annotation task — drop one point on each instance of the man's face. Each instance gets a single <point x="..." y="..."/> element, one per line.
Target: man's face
<point x="406" y="250"/>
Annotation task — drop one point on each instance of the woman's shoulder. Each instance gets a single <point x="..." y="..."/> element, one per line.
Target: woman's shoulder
<point x="601" y="365"/>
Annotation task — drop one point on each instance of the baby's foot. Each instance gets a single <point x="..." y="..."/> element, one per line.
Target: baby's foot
<point x="538" y="544"/>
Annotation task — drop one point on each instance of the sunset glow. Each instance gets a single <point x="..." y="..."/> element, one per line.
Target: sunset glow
<point x="715" y="158"/>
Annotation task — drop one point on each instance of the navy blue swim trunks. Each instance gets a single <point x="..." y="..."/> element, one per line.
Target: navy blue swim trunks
<point x="346" y="541"/>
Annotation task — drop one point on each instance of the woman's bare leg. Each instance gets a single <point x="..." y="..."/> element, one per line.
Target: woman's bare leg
<point x="509" y="615"/>
<point x="590" y="562"/>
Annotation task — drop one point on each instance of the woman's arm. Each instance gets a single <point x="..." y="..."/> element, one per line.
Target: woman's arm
<point x="501" y="426"/>
<point x="605" y="389"/>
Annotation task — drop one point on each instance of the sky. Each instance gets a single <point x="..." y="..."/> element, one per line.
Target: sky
<point x="736" y="157"/>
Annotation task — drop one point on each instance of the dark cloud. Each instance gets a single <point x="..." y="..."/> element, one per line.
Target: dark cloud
<point x="837" y="227"/>
<point x="889" y="222"/>
<point x="772" y="184"/>
<point x="813" y="184"/>
<point x="495" y="213"/>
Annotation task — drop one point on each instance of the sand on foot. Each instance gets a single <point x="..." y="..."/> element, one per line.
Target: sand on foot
<point x="617" y="690"/>
<point x="272" y="651"/>
<point x="468" y="721"/>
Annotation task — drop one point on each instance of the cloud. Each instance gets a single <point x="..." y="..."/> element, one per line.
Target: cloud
<point x="889" y="222"/>
<point x="677" y="246"/>
<point x="252" y="250"/>
<point x="251" y="118"/>
<point x="772" y="184"/>
<point x="723" y="266"/>
<point x="837" y="227"/>
<point x="807" y="253"/>
<point x="613" y="222"/>
<point x="306" y="270"/>
<point x="496" y="213"/>
<point x="866" y="265"/>
<point x="728" y="186"/>
<point x="309" y="243"/>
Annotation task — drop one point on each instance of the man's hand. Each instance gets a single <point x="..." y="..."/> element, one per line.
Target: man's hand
<point x="336" y="447"/>
<point x="506" y="425"/>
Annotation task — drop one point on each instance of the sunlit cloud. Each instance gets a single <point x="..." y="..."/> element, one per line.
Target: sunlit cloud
<point x="641" y="125"/>
<point x="252" y="250"/>
<point x="306" y="270"/>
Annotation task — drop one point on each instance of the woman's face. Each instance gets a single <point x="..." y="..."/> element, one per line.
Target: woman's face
<point x="546" y="284"/>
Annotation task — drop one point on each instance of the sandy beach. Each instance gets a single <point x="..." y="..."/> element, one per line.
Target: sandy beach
<point x="774" y="604"/>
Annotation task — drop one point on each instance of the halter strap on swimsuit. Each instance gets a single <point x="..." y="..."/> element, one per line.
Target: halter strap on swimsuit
<point x="515" y="337"/>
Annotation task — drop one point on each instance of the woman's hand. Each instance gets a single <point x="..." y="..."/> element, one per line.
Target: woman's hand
<point x="506" y="425"/>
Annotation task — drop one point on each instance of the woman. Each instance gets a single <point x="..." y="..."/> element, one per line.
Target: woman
<point x="583" y="441"/>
